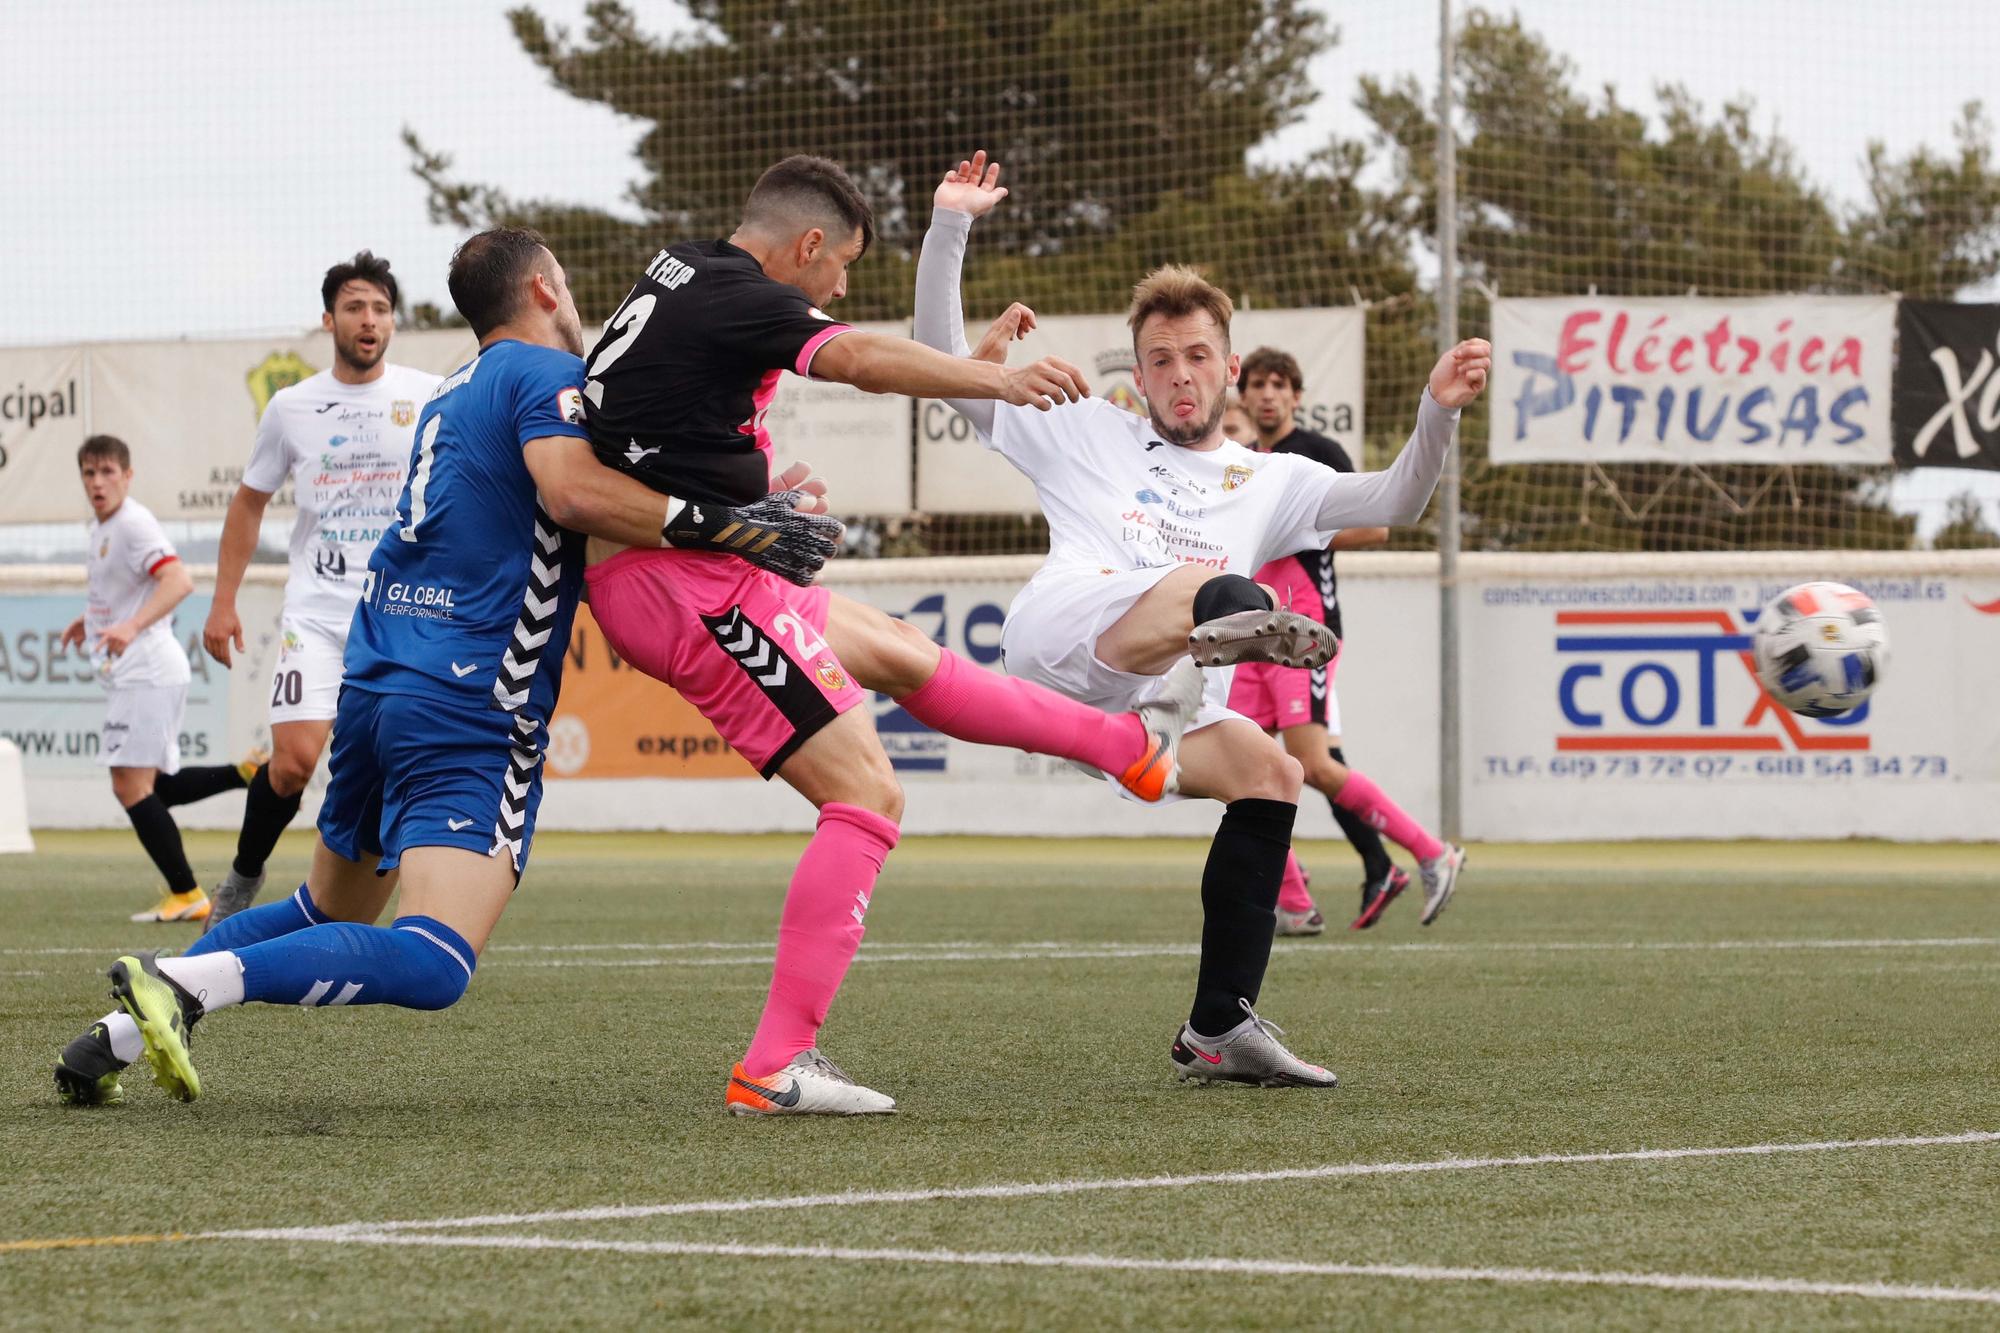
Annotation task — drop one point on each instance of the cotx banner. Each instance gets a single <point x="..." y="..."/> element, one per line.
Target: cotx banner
<point x="1947" y="400"/>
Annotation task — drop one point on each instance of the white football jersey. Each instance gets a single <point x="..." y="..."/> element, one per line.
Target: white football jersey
<point x="1119" y="497"/>
<point x="126" y="550"/>
<point x="346" y="448"/>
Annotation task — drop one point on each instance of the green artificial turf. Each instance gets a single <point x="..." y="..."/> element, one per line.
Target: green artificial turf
<point x="1018" y="998"/>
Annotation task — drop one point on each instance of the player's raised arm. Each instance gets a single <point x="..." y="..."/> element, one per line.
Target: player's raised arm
<point x="883" y="363"/>
<point x="1398" y="494"/>
<point x="969" y="191"/>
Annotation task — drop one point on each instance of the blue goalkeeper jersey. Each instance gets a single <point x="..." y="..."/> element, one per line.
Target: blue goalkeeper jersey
<point x="470" y="593"/>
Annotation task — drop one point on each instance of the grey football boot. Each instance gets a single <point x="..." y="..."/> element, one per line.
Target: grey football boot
<point x="1440" y="876"/>
<point x="234" y="894"/>
<point x="1248" y="1053"/>
<point x="1284" y="637"/>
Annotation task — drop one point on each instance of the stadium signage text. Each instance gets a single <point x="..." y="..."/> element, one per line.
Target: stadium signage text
<point x="1947" y="398"/>
<point x="1797" y="379"/>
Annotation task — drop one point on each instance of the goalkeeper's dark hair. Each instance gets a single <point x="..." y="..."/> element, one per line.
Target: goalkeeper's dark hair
<point x="804" y="191"/>
<point x="366" y="266"/>
<point x="489" y="274"/>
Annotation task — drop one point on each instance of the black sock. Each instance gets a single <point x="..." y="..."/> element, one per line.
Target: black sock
<point x="265" y="815"/>
<point x="161" y="838"/>
<point x="197" y="784"/>
<point x="1227" y="594"/>
<point x="1239" y="909"/>
<point x="1375" y="862"/>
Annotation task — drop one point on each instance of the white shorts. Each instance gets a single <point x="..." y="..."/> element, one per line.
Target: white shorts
<point x="142" y="727"/>
<point x="1051" y="633"/>
<point x="305" y="681"/>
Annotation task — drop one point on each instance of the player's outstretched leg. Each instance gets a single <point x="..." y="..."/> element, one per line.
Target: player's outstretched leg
<point x="198" y="784"/>
<point x="1297" y="915"/>
<point x="1224" y="1040"/>
<point x="341" y="890"/>
<point x="950" y="694"/>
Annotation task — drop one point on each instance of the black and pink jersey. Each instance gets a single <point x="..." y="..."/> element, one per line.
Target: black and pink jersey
<point x="678" y="385"/>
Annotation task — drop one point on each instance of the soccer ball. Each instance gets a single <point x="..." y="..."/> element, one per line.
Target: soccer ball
<point x="1821" y="648"/>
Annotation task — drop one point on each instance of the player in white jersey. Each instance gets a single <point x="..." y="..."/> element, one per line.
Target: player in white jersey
<point x="342" y="438"/>
<point x="1154" y="522"/>
<point x="135" y="582"/>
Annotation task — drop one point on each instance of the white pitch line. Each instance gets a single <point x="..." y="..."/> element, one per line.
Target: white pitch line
<point x="1881" y="1291"/>
<point x="1033" y="1189"/>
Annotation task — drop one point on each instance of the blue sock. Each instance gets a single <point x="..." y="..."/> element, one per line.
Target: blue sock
<point x="416" y="962"/>
<point x="254" y="925"/>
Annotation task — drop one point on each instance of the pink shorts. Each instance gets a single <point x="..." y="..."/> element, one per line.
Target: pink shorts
<point x="742" y="645"/>
<point x="1276" y="697"/>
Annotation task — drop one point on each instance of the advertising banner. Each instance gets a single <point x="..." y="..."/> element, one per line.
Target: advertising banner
<point x="1779" y="379"/>
<point x="52" y="706"/>
<point x="958" y="475"/>
<point x="44" y="416"/>
<point x="1947" y="404"/>
<point x="188" y="410"/>
<point x="1629" y="707"/>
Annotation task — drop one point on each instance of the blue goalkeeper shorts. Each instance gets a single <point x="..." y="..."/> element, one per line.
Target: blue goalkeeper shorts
<point x="413" y="771"/>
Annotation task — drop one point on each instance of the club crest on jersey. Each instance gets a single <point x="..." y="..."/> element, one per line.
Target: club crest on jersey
<point x="279" y="370"/>
<point x="830" y="675"/>
<point x="1236" y="475"/>
<point x="105" y="549"/>
<point x="569" y="405"/>
<point x="403" y="412"/>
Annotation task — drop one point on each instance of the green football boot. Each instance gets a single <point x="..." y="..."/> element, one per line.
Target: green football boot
<point x="166" y="1014"/>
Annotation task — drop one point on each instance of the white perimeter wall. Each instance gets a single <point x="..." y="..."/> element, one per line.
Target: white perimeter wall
<point x="1606" y="698"/>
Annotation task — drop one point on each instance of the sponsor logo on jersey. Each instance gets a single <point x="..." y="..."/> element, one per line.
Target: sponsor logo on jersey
<point x="279" y="370"/>
<point x="403" y="412"/>
<point x="1654" y="682"/>
<point x="1149" y="497"/>
<point x="427" y="601"/>
<point x="569" y="405"/>
<point x="1236" y="475"/>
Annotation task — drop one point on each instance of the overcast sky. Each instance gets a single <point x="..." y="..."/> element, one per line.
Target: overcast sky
<point x="192" y="168"/>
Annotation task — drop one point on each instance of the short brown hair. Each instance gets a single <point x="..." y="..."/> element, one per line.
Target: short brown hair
<point x="105" y="446"/>
<point x="802" y="188"/>
<point x="1270" y="361"/>
<point x="1173" y="290"/>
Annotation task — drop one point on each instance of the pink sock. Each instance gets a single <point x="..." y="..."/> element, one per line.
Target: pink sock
<point x="974" y="704"/>
<point x="819" y="930"/>
<point x="1383" y="815"/>
<point x="1292" y="895"/>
